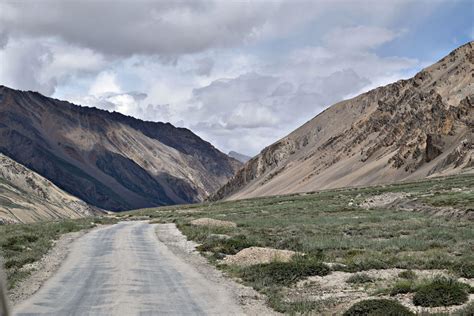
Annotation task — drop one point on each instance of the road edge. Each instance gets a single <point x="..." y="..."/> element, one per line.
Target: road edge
<point x="45" y="268"/>
<point x="252" y="302"/>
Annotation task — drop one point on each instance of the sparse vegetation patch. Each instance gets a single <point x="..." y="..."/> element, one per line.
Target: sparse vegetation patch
<point x="22" y="244"/>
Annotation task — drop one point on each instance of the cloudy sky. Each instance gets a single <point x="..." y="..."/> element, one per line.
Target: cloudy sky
<point x="241" y="74"/>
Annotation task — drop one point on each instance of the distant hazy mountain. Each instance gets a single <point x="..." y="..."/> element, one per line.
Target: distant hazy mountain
<point x="109" y="160"/>
<point x="240" y="157"/>
<point x="410" y="129"/>
<point x="27" y="197"/>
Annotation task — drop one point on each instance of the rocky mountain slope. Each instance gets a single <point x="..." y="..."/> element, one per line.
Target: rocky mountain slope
<point x="410" y="129"/>
<point x="27" y="197"/>
<point x="109" y="160"/>
<point x="238" y="156"/>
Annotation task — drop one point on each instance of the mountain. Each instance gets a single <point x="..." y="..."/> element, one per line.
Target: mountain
<point x="410" y="129"/>
<point x="240" y="157"/>
<point x="109" y="160"/>
<point x="27" y="197"/>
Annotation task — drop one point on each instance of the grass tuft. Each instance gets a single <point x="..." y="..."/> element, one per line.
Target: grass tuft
<point x="360" y="278"/>
<point x="441" y="291"/>
<point x="377" y="307"/>
<point x="226" y="246"/>
<point x="407" y="274"/>
<point x="402" y="287"/>
<point x="283" y="273"/>
<point x="465" y="269"/>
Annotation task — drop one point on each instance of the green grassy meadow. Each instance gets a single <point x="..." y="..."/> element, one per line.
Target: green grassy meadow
<point x="330" y="224"/>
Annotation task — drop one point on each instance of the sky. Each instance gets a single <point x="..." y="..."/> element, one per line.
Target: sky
<point x="240" y="74"/>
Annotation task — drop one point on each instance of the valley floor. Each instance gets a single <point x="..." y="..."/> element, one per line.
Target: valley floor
<point x="392" y="242"/>
<point x="355" y="243"/>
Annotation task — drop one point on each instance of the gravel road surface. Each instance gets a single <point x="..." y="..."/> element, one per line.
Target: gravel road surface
<point x="124" y="270"/>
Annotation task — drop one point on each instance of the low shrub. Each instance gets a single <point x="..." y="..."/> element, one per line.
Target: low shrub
<point x="284" y="273"/>
<point x="227" y="246"/>
<point x="368" y="261"/>
<point x="19" y="262"/>
<point x="294" y="308"/>
<point x="402" y="287"/>
<point x="464" y="269"/>
<point x="18" y="242"/>
<point x="407" y="274"/>
<point x="377" y="307"/>
<point x="441" y="291"/>
<point x="360" y="278"/>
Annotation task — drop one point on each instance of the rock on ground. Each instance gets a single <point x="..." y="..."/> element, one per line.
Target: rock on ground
<point x="212" y="222"/>
<point x="259" y="255"/>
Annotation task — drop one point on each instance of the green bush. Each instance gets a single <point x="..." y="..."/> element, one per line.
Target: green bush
<point x="407" y="274"/>
<point x="377" y="307"/>
<point x="18" y="242"/>
<point x="464" y="269"/>
<point x="402" y="287"/>
<point x="227" y="246"/>
<point x="441" y="292"/>
<point x="360" y="278"/>
<point x="19" y="262"/>
<point x="284" y="273"/>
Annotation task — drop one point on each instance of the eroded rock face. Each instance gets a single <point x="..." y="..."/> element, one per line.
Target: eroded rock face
<point x="109" y="160"/>
<point x="433" y="147"/>
<point x="406" y="130"/>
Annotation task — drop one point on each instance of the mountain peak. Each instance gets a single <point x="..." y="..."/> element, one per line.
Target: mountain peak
<point x="407" y="130"/>
<point x="107" y="159"/>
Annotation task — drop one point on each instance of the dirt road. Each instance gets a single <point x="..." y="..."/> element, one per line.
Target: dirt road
<point x="124" y="270"/>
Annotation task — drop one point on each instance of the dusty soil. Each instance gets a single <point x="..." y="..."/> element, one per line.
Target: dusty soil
<point x="337" y="295"/>
<point x="45" y="268"/>
<point x="251" y="301"/>
<point x="258" y="255"/>
<point x="212" y="222"/>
